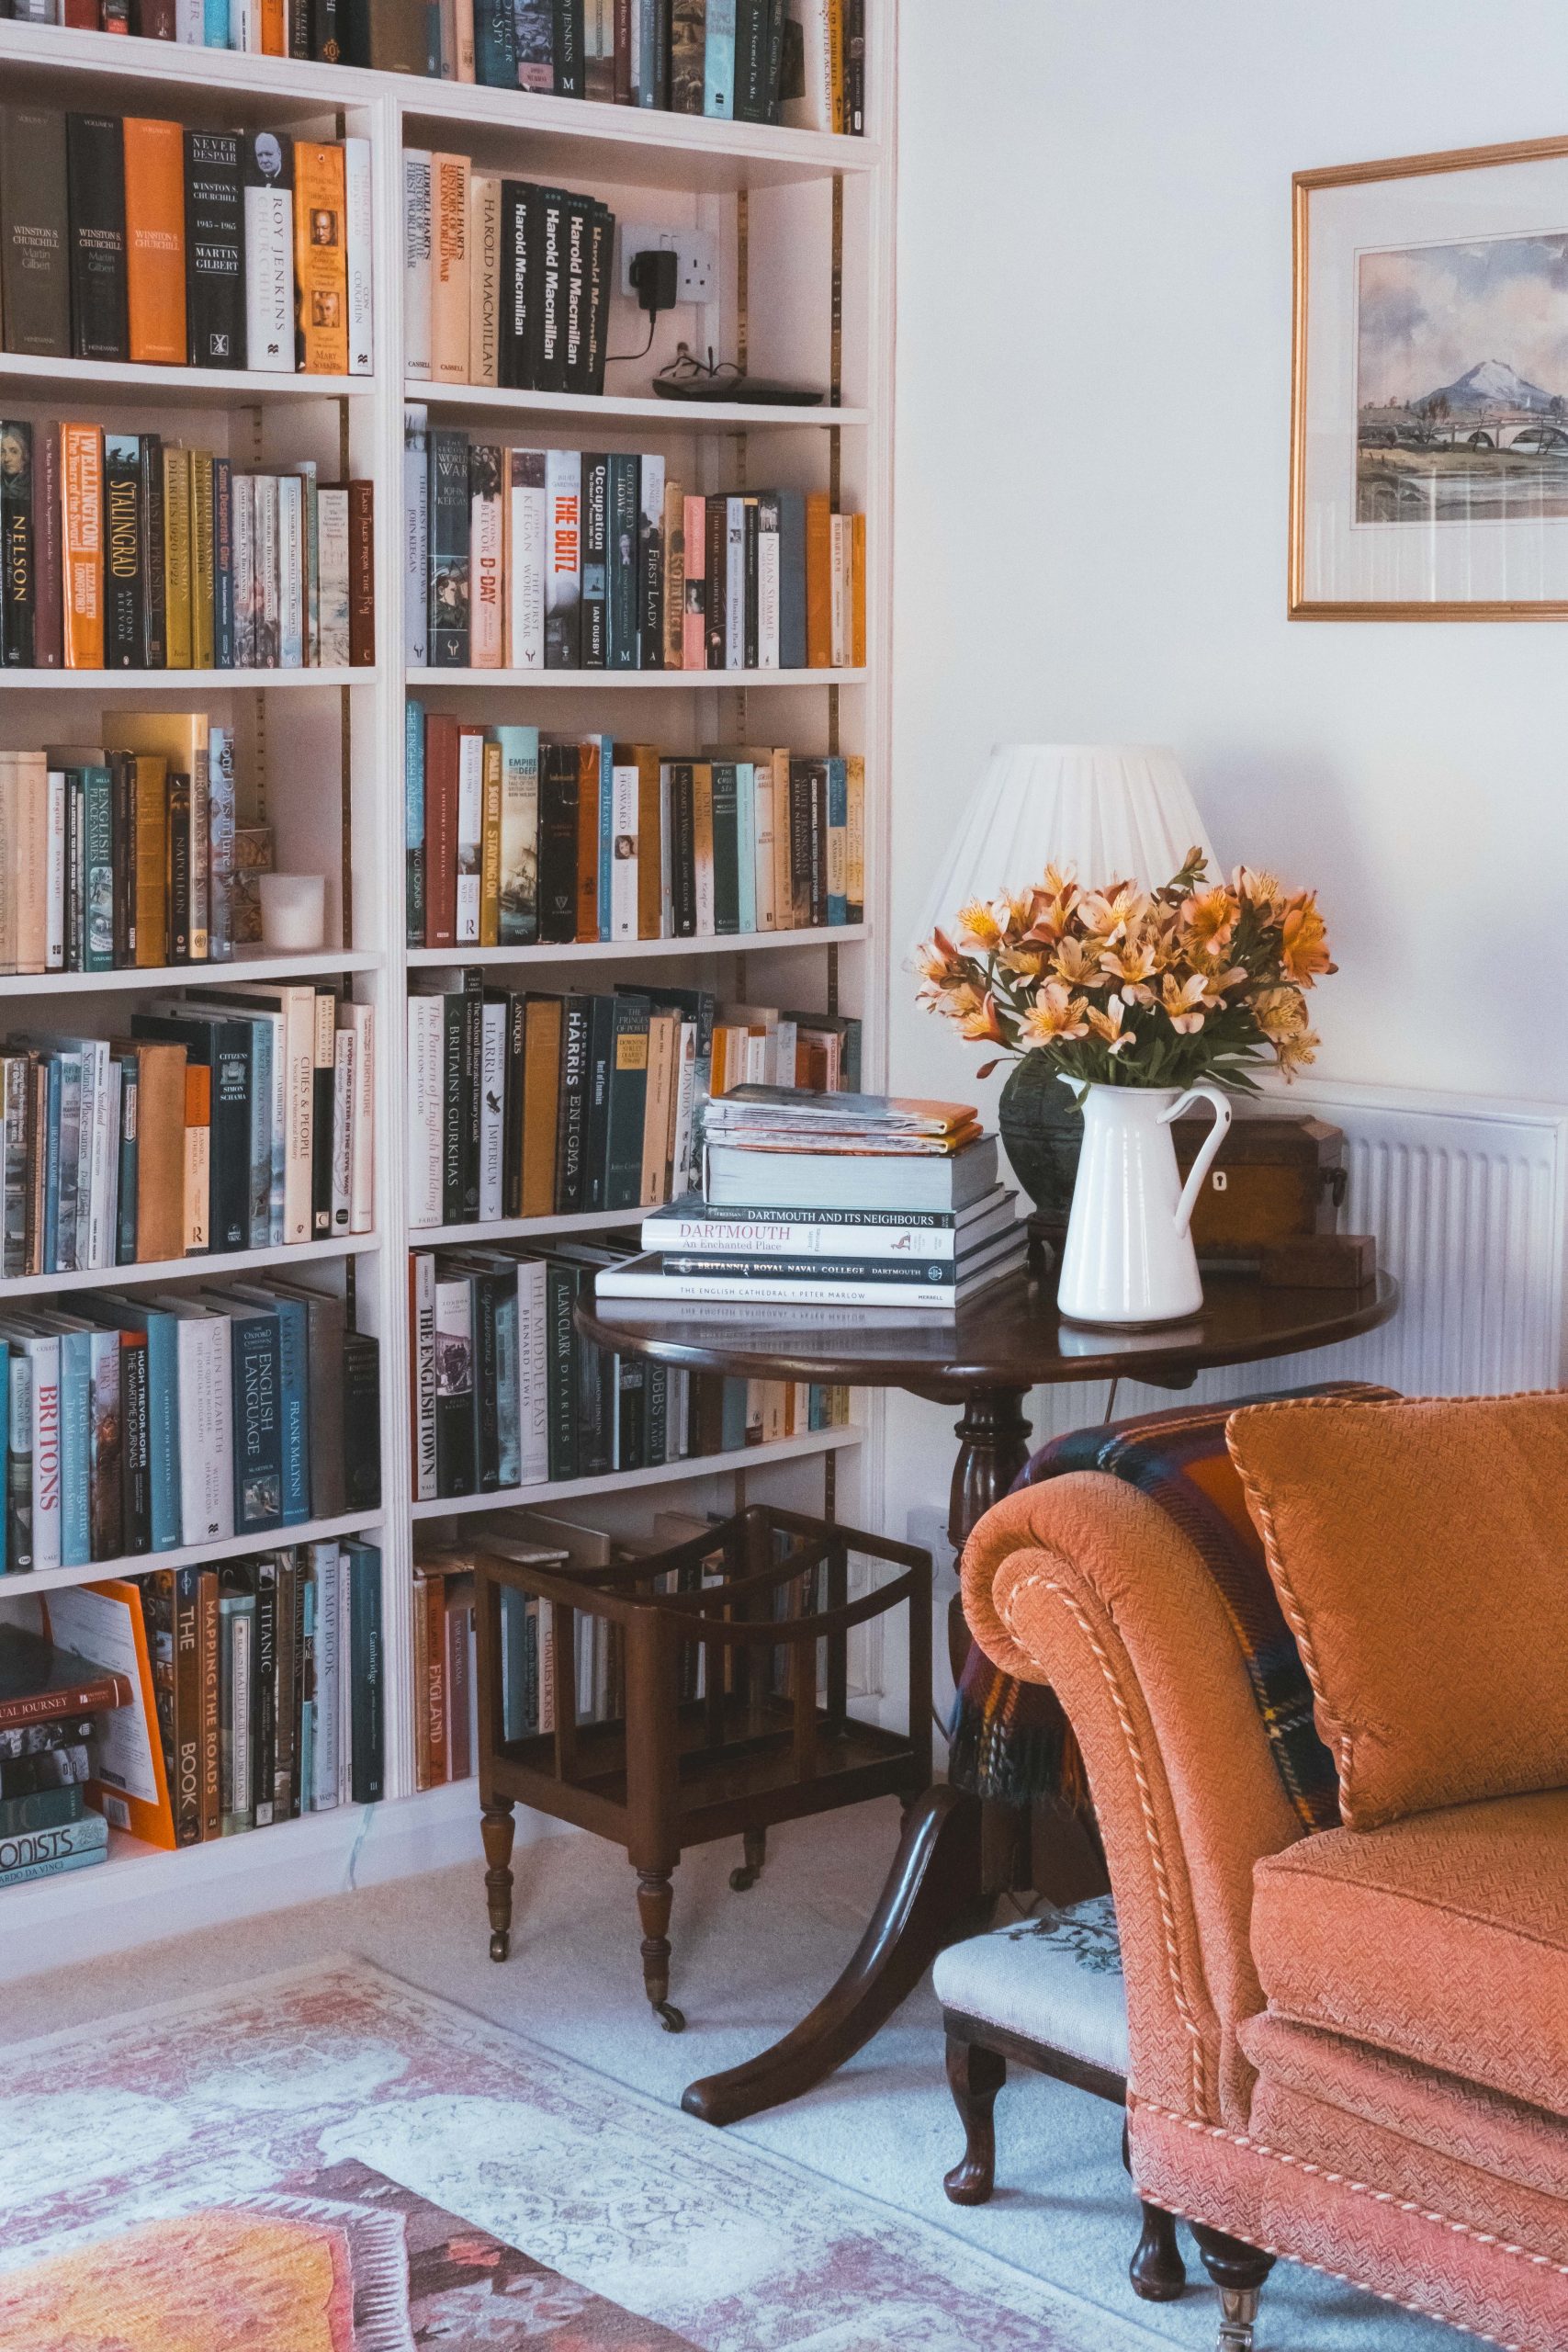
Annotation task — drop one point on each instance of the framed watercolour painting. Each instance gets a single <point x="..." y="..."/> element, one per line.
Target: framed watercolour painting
<point x="1430" y="389"/>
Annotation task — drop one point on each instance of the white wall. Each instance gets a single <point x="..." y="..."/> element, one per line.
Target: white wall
<point x="1094" y="292"/>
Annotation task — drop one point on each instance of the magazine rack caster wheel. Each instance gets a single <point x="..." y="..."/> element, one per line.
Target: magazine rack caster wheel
<point x="751" y="1871"/>
<point x="673" y="2020"/>
<point x="500" y="1944"/>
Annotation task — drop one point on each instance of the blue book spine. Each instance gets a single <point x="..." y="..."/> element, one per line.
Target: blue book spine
<point x="837" y="845"/>
<point x="78" y="1860"/>
<point x="734" y="1417"/>
<point x="495" y="44"/>
<point x="75" y="1448"/>
<point x="413" y="821"/>
<point x="294" y="1373"/>
<point x="51" y="1264"/>
<point x="163" y="1428"/>
<point x="646" y="70"/>
<point x="125" y="1226"/>
<point x="262" y="1236"/>
<point x="746" y="842"/>
<point x="215" y="24"/>
<point x="258" y="1430"/>
<point x="508" y="1403"/>
<point x="268" y="1037"/>
<point x="718" y="61"/>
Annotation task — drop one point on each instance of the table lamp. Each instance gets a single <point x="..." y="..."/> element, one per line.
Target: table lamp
<point x="1112" y="811"/>
<point x="1109" y="813"/>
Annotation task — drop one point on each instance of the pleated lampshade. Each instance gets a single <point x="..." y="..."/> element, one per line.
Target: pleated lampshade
<point x="1111" y="811"/>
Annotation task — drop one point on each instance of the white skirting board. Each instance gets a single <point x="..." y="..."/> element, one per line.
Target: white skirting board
<point x="138" y="1896"/>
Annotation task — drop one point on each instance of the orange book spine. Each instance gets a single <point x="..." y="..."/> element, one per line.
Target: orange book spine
<point x="320" y="261"/>
<point x="81" y="495"/>
<point x="819" y="581"/>
<point x="857" y="591"/>
<point x="155" y="241"/>
<point x="274" y="29"/>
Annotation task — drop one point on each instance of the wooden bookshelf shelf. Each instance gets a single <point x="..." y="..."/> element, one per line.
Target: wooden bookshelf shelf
<point x="169" y="386"/>
<point x="212" y="1268"/>
<point x="633" y="680"/>
<point x="656" y="415"/>
<point x="742" y="1460"/>
<point x="241" y="972"/>
<point x="324" y="767"/>
<point x="191" y="1555"/>
<point x="630" y="951"/>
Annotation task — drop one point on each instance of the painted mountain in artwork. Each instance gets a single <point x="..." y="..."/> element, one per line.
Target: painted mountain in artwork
<point x="1490" y="384"/>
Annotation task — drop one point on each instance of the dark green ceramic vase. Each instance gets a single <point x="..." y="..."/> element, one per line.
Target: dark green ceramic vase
<point x="1042" y="1128"/>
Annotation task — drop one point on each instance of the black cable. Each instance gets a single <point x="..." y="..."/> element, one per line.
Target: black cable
<point x="648" y="346"/>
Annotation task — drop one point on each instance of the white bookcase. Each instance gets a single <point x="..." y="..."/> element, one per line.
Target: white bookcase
<point x="803" y="225"/>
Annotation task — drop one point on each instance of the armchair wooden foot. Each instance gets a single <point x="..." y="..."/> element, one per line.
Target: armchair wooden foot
<point x="975" y="2075"/>
<point x="1238" y="2271"/>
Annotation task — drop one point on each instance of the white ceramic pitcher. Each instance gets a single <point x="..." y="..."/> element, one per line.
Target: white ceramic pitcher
<point x="1129" y="1257"/>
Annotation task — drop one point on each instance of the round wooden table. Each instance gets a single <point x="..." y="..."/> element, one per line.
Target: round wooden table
<point x="985" y="1359"/>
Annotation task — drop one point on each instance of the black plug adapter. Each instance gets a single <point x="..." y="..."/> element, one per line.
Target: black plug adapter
<point x="653" y="274"/>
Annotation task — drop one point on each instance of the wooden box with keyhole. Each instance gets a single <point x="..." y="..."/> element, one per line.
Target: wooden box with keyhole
<point x="1279" y="1177"/>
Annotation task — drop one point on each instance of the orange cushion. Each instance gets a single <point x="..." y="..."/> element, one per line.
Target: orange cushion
<point x="1419" y="1554"/>
<point x="1443" y="1938"/>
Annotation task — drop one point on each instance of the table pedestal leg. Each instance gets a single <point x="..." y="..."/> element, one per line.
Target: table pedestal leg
<point x="952" y="1859"/>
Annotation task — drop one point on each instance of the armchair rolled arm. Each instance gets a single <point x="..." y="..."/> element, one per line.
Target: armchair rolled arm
<point x="1086" y="1584"/>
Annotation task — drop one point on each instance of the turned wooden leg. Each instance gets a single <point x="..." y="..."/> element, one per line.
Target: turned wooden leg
<point x="497" y="1828"/>
<point x="1157" y="2269"/>
<point x="654" y="1896"/>
<point x="1238" y="2271"/>
<point x="754" y="1844"/>
<point x="975" y="2075"/>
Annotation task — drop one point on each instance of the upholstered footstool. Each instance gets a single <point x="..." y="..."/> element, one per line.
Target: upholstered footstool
<point x="1048" y="1992"/>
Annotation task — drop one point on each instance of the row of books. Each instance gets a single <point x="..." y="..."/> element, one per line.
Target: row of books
<point x="526" y="1104"/>
<point x="191" y="1704"/>
<point x="123" y="552"/>
<point x="572" y="560"/>
<point x="504" y="282"/>
<point x="513" y="838"/>
<point x="126" y="238"/>
<point x="814" y="1200"/>
<point x="797" y="62"/>
<point x="243" y="1120"/>
<point x="507" y="1393"/>
<point x="137" y="1425"/>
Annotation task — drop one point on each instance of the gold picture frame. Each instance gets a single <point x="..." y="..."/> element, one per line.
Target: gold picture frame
<point x="1455" y="459"/>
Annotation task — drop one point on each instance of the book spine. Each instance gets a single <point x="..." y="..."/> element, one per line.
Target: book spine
<point x="124" y="619"/>
<point x="154" y="578"/>
<point x="267" y="175"/>
<point x="362" y="575"/>
<point x="449" y="579"/>
<point x="96" y="168"/>
<point x="421" y="1315"/>
<point x="321" y="265"/>
<point x="82" y="487"/>
<point x="258" y="1437"/>
<point x="625" y="512"/>
<point x="595" y="626"/>
<point x="263" y="1726"/>
<point x="215" y="254"/>
<point x="563" y="582"/>
<point x="35" y="272"/>
<point x="155" y="241"/>
<point x="528" y="559"/>
<point x="650" y="564"/>
<point x="48" y="559"/>
<point x="367" y="1742"/>
<point x="358" y="236"/>
<point x="417" y="264"/>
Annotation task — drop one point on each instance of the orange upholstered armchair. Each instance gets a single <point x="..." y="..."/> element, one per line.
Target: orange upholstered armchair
<point x="1349" y="2046"/>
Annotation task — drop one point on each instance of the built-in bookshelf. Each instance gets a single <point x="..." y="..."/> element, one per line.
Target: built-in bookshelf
<point x="801" y="225"/>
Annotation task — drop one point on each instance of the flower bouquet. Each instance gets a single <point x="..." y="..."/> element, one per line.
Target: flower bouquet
<point x="1142" y="1001"/>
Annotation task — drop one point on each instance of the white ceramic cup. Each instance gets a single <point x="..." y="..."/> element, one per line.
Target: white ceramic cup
<point x="293" y="912"/>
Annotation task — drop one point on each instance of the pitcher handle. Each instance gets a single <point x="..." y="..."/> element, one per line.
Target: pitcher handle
<point x="1221" y="1106"/>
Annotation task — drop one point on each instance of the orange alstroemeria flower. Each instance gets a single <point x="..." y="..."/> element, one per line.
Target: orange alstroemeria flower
<point x="1209" y="917"/>
<point x="1054" y="1016"/>
<point x="1304" y="941"/>
<point x="983" y="1025"/>
<point x="1183" y="1003"/>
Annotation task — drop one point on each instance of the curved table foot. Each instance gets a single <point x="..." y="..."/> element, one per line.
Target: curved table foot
<point x="932" y="1893"/>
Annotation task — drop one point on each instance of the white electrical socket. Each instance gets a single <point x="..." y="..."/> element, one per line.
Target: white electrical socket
<point x="696" y="278"/>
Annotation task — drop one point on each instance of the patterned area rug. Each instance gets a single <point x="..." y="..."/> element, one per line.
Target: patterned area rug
<point x="329" y="2160"/>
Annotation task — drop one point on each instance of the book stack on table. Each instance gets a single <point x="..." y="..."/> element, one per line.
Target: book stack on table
<point x="51" y="1700"/>
<point x="866" y="1201"/>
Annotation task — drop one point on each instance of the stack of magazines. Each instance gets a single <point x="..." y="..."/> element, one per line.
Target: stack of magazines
<point x="865" y="1201"/>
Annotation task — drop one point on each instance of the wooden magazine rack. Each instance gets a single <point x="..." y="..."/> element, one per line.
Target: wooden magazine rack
<point x="766" y="1735"/>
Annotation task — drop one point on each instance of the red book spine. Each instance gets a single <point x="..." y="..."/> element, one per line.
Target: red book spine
<point x="48" y="609"/>
<point x="93" y="1698"/>
<point x="362" y="575"/>
<point x="441" y="830"/>
<point x="86" y="15"/>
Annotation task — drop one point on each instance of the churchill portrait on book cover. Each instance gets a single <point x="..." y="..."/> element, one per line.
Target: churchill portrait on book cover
<point x="1429" y="452"/>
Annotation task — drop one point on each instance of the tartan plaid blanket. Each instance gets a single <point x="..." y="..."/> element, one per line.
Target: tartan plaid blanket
<point x="1010" y="1741"/>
